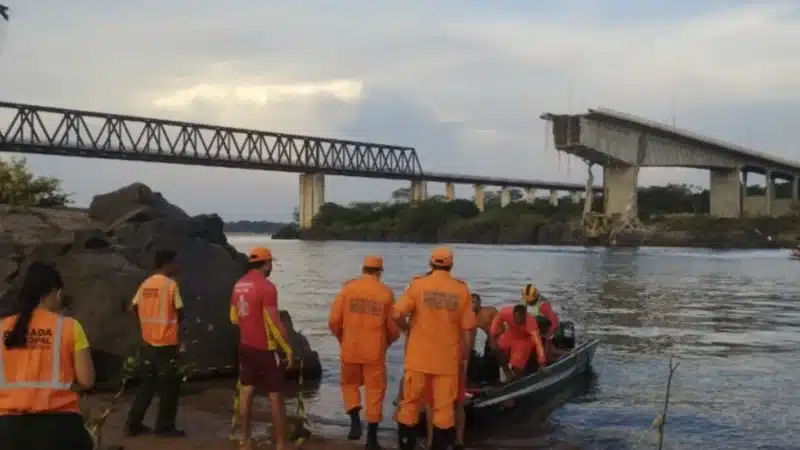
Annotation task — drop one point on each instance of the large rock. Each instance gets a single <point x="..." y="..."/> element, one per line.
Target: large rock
<point x="104" y="256"/>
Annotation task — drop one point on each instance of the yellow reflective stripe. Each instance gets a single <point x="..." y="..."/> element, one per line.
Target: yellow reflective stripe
<point x="55" y="374"/>
<point x="276" y="334"/>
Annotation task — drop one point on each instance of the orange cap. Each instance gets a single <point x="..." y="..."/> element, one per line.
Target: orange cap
<point x="442" y="256"/>
<point x="260" y="254"/>
<point x="373" y="262"/>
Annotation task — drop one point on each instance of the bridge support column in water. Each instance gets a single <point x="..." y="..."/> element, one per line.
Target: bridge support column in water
<point x="450" y="192"/>
<point x="505" y="196"/>
<point x="619" y="189"/>
<point x="419" y="191"/>
<point x="479" y="197"/>
<point x="554" y="197"/>
<point x="312" y="197"/>
<point x="725" y="193"/>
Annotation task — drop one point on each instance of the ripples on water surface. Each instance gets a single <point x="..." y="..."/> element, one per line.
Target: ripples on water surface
<point x="731" y="317"/>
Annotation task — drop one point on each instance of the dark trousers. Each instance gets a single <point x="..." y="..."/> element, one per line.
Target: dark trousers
<point x="51" y="431"/>
<point x="159" y="375"/>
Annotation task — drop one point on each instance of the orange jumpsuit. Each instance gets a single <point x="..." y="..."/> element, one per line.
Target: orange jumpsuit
<point x="518" y="340"/>
<point x="361" y="319"/>
<point x="441" y="310"/>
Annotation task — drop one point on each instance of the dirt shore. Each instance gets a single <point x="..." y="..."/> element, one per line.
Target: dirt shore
<point x="205" y="415"/>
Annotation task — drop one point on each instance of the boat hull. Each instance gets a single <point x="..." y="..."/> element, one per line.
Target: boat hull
<point x="534" y="389"/>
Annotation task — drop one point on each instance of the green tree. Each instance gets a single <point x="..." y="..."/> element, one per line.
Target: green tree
<point x="402" y="195"/>
<point x="19" y="187"/>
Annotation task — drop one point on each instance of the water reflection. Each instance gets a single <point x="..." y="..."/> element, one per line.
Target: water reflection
<point x="731" y="316"/>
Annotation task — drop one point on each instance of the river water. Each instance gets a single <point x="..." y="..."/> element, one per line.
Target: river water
<point x="729" y="317"/>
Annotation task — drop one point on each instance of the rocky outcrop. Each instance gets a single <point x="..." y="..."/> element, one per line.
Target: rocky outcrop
<point x="106" y="253"/>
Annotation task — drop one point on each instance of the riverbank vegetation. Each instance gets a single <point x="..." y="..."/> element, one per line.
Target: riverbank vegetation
<point x="254" y="226"/>
<point x="674" y="215"/>
<point x="20" y="188"/>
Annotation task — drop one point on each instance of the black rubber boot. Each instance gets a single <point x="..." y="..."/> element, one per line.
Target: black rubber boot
<point x="355" y="424"/>
<point x="406" y="437"/>
<point x="372" y="437"/>
<point x="443" y="439"/>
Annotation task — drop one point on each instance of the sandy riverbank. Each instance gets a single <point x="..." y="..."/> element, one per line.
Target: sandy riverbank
<point x="205" y="414"/>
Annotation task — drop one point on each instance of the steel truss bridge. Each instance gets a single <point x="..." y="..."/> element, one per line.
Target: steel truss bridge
<point x="47" y="130"/>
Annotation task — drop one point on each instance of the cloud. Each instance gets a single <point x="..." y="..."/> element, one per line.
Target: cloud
<point x="463" y="82"/>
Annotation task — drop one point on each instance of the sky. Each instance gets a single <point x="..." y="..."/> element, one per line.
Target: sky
<point x="462" y="81"/>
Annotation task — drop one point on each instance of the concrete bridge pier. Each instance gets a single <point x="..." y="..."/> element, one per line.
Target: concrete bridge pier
<point x="764" y="205"/>
<point x="479" y="197"/>
<point x="450" y="192"/>
<point x="575" y="197"/>
<point x="725" y="193"/>
<point x="769" y="195"/>
<point x="554" y="197"/>
<point x="419" y="191"/>
<point x="312" y="197"/>
<point x="505" y="196"/>
<point x="619" y="189"/>
<point x="530" y="195"/>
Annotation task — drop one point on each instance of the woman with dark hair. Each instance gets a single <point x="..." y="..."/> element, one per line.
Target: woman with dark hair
<point x="43" y="357"/>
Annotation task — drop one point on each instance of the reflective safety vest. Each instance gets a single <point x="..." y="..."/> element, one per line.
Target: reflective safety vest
<point x="37" y="378"/>
<point x="157" y="313"/>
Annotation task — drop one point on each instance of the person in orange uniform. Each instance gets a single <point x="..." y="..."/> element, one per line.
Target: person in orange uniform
<point x="484" y="316"/>
<point x="361" y="319"/>
<point x="515" y="334"/>
<point x="254" y="308"/>
<point x="43" y="355"/>
<point x="159" y="306"/>
<point x="441" y="328"/>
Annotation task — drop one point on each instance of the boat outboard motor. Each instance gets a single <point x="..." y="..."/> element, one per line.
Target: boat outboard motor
<point x="564" y="338"/>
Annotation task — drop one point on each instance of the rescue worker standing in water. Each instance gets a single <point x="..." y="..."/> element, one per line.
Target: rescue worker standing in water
<point x="254" y="309"/>
<point x="440" y="332"/>
<point x="484" y="316"/>
<point x="361" y="319"/>
<point x="43" y="355"/>
<point x="159" y="308"/>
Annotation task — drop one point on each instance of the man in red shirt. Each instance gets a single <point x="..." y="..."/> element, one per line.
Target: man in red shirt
<point x="254" y="307"/>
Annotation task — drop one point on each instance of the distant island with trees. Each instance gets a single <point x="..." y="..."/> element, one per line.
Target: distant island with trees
<point x="254" y="227"/>
<point x="672" y="215"/>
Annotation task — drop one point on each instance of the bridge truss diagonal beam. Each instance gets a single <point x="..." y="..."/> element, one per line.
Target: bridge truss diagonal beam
<point x="56" y="131"/>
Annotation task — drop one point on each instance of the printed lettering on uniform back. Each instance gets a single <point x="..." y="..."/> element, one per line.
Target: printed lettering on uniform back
<point x="440" y="300"/>
<point x="152" y="295"/>
<point x="365" y="306"/>
<point x="242" y="307"/>
<point x="37" y="337"/>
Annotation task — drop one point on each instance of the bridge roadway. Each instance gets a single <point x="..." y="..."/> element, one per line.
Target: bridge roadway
<point x="33" y="129"/>
<point x="623" y="143"/>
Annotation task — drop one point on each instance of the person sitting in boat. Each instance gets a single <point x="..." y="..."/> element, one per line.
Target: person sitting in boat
<point x="484" y="315"/>
<point x="514" y="334"/>
<point x="531" y="297"/>
<point x="550" y="349"/>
